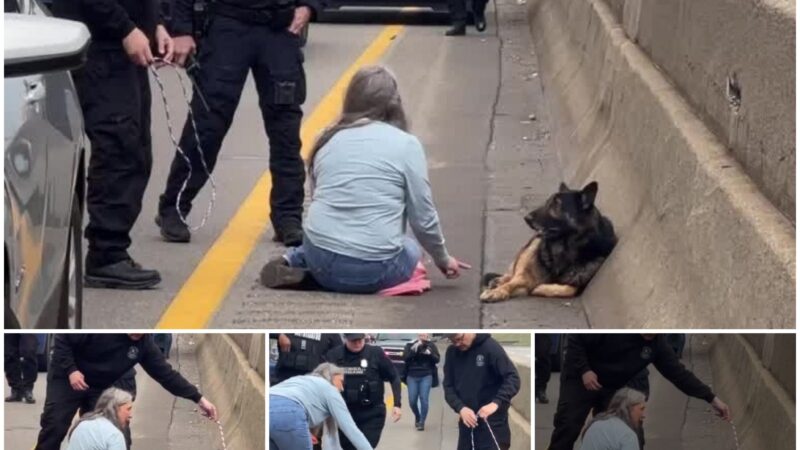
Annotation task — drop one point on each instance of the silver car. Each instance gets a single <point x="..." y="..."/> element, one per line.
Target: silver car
<point x="44" y="169"/>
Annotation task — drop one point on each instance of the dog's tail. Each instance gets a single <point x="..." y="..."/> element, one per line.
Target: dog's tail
<point x="488" y="278"/>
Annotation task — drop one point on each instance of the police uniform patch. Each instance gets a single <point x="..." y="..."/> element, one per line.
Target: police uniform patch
<point x="133" y="352"/>
<point x="480" y="360"/>
<point x="647" y="353"/>
<point x="364" y="363"/>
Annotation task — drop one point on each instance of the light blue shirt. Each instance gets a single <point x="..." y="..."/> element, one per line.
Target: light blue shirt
<point x="96" y="434"/>
<point x="321" y="400"/>
<point x="369" y="181"/>
<point x="610" y="434"/>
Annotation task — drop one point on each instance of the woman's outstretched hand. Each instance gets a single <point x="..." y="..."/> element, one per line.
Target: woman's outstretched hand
<point x="453" y="268"/>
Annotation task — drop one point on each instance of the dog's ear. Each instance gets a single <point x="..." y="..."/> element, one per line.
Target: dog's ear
<point x="563" y="187"/>
<point x="588" y="194"/>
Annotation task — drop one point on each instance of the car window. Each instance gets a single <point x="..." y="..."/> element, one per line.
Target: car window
<point x="395" y="337"/>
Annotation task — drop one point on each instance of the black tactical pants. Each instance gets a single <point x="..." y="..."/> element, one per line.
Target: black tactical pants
<point x="61" y="404"/>
<point x="20" y="361"/>
<point x="370" y="421"/>
<point x="458" y="9"/>
<point x="115" y="98"/>
<point x="229" y="51"/>
<point x="542" y="367"/>
<point x="481" y="435"/>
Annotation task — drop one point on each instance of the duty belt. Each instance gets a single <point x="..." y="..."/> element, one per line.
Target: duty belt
<point x="269" y="17"/>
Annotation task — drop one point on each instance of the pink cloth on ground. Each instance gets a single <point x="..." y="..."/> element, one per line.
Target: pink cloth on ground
<point x="417" y="285"/>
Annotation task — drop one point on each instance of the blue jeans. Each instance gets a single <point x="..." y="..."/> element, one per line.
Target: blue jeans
<point x="288" y="425"/>
<point x="419" y="390"/>
<point x="340" y="273"/>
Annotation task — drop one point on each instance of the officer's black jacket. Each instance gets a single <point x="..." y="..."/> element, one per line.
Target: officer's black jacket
<point x="480" y="375"/>
<point x="314" y="346"/>
<point x="182" y="22"/>
<point x="109" y="21"/>
<point x="105" y="358"/>
<point x="617" y="358"/>
<point x="343" y="357"/>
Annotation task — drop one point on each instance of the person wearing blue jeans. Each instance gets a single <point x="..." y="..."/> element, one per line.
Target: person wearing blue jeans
<point x="420" y="375"/>
<point x="369" y="182"/>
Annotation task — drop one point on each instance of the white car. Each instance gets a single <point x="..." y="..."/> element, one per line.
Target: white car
<point x="44" y="168"/>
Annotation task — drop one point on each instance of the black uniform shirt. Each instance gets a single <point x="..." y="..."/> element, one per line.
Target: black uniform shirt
<point x="105" y="358"/>
<point x="358" y="364"/>
<point x="183" y="20"/>
<point x="109" y="21"/>
<point x="617" y="358"/>
<point x="480" y="375"/>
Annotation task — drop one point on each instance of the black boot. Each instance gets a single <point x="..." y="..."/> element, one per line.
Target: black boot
<point x="458" y="29"/>
<point x="172" y="228"/>
<point x="27" y="396"/>
<point x="290" y="235"/>
<point x="125" y="274"/>
<point x="541" y="397"/>
<point x="16" y="396"/>
<point x="480" y="21"/>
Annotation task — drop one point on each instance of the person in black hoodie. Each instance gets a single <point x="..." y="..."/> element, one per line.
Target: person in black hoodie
<point x="597" y="365"/>
<point x="114" y="93"/>
<point x="84" y="365"/>
<point x="479" y="382"/>
<point x="420" y="375"/>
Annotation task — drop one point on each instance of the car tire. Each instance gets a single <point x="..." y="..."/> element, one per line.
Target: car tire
<point x="70" y="311"/>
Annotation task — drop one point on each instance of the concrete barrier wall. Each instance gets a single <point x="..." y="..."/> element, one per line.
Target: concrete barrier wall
<point x="763" y="408"/>
<point x="520" y="413"/>
<point x="701" y="45"/>
<point x="700" y="245"/>
<point x="237" y="389"/>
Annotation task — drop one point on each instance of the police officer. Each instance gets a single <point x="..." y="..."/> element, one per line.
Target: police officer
<point x="479" y="382"/>
<point x="114" y="92"/>
<point x="597" y="365"/>
<point x="542" y="353"/>
<point x="366" y="369"/>
<point x="84" y="365"/>
<point x="239" y="36"/>
<point x="20" y="365"/>
<point x="458" y="16"/>
<point x="300" y="353"/>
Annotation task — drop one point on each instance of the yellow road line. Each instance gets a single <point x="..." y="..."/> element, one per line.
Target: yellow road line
<point x="204" y="290"/>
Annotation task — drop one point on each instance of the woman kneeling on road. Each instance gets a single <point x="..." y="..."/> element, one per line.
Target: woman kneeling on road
<point x="619" y="426"/>
<point x="369" y="177"/>
<point x="308" y="401"/>
<point x="102" y="429"/>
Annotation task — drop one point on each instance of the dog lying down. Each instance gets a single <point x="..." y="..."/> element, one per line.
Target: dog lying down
<point x="571" y="239"/>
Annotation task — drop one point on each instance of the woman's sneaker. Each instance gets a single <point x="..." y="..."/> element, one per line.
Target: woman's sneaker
<point x="278" y="274"/>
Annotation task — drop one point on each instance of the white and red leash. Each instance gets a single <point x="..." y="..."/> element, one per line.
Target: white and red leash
<point x="177" y="146"/>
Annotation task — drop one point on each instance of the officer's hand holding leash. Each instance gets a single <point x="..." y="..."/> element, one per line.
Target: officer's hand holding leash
<point x="209" y="410"/>
<point x="284" y="343"/>
<point x="166" y="46"/>
<point x="468" y="417"/>
<point x="302" y="15"/>
<point x="487" y="410"/>
<point x="77" y="382"/>
<point x="396" y="414"/>
<point x="722" y="409"/>
<point x="590" y="381"/>
<point x="185" y="46"/>
<point x="137" y="46"/>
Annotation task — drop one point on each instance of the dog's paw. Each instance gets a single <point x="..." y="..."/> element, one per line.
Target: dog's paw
<point x="494" y="295"/>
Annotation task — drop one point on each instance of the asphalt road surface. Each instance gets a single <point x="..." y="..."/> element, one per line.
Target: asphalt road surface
<point x="475" y="103"/>
<point x="160" y="420"/>
<point x="673" y="421"/>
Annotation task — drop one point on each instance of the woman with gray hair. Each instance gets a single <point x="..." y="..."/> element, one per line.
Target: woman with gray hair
<point x="369" y="179"/>
<point x="616" y="428"/>
<point x="102" y="429"/>
<point x="307" y="401"/>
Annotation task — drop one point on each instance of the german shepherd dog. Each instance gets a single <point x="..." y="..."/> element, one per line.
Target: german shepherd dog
<point x="571" y="240"/>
